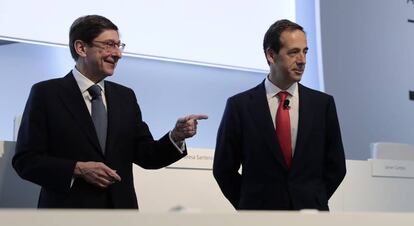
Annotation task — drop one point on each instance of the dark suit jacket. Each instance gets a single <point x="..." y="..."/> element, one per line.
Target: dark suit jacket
<point x="57" y="131"/>
<point x="247" y="137"/>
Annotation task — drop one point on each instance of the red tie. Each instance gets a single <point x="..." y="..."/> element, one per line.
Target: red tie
<point x="283" y="128"/>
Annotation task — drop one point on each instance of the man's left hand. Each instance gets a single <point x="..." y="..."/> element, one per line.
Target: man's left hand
<point x="186" y="127"/>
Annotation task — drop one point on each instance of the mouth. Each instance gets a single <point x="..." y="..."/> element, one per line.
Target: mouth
<point x="298" y="71"/>
<point x="110" y="62"/>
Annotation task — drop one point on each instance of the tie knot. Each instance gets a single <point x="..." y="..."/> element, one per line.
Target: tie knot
<point x="94" y="91"/>
<point x="282" y="95"/>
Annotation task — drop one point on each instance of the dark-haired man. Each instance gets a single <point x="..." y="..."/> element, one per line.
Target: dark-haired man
<point x="285" y="136"/>
<point x="80" y="134"/>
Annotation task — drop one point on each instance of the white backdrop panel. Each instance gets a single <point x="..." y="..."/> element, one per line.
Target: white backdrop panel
<point x="210" y="31"/>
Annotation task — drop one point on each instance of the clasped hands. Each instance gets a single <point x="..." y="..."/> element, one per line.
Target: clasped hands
<point x="96" y="173"/>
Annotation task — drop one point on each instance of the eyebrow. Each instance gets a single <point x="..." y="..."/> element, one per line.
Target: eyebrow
<point x="297" y="49"/>
<point x="109" y="40"/>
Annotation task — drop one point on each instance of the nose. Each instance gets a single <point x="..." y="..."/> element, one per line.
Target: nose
<point x="116" y="53"/>
<point x="301" y="58"/>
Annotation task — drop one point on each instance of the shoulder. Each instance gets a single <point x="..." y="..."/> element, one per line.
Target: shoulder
<point x="48" y="83"/>
<point x="116" y="87"/>
<point x="120" y="92"/>
<point x="248" y="94"/>
<point x="47" y="87"/>
<point x="314" y="94"/>
<point x="55" y="83"/>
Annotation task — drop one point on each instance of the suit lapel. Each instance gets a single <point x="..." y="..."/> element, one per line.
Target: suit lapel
<point x="114" y="114"/>
<point x="73" y="99"/>
<point x="305" y="121"/>
<point x="264" y="121"/>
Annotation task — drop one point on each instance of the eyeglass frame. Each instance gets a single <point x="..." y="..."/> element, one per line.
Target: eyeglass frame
<point x="109" y="45"/>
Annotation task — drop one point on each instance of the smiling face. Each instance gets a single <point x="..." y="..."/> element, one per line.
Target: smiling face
<point x="287" y="66"/>
<point x="96" y="61"/>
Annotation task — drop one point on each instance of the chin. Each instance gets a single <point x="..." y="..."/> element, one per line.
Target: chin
<point x="109" y="72"/>
<point x="296" y="78"/>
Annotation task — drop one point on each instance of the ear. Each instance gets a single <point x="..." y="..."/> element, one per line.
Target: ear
<point x="270" y="56"/>
<point x="80" y="48"/>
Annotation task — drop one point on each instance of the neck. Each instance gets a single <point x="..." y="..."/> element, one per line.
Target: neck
<point x="88" y="73"/>
<point x="283" y="84"/>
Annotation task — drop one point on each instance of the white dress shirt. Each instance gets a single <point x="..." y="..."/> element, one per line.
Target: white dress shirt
<point x="84" y="83"/>
<point x="273" y="101"/>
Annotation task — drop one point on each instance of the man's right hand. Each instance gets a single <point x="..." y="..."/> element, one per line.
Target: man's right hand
<point x="96" y="173"/>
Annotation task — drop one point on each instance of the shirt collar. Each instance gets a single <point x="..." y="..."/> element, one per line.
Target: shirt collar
<point x="84" y="83"/>
<point x="272" y="89"/>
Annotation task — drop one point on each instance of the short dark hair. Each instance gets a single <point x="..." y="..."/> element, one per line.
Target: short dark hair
<point x="86" y="29"/>
<point x="272" y="37"/>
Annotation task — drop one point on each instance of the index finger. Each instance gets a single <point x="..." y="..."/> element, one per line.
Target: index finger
<point x="192" y="117"/>
<point x="197" y="117"/>
<point x="115" y="176"/>
<point x="112" y="173"/>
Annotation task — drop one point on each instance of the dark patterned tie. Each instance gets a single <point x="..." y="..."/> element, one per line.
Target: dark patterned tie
<point x="283" y="128"/>
<point x="99" y="116"/>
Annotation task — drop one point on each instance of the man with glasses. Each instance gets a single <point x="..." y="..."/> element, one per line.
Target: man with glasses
<point x="80" y="135"/>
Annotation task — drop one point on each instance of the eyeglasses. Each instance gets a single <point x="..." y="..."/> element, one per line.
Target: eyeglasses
<point x="110" y="45"/>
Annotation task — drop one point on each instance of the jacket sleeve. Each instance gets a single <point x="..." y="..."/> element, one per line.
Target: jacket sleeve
<point x="227" y="156"/>
<point x="150" y="153"/>
<point x="32" y="160"/>
<point x="334" y="170"/>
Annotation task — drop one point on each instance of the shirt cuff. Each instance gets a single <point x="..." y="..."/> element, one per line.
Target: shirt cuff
<point x="180" y="146"/>
<point x="71" y="182"/>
